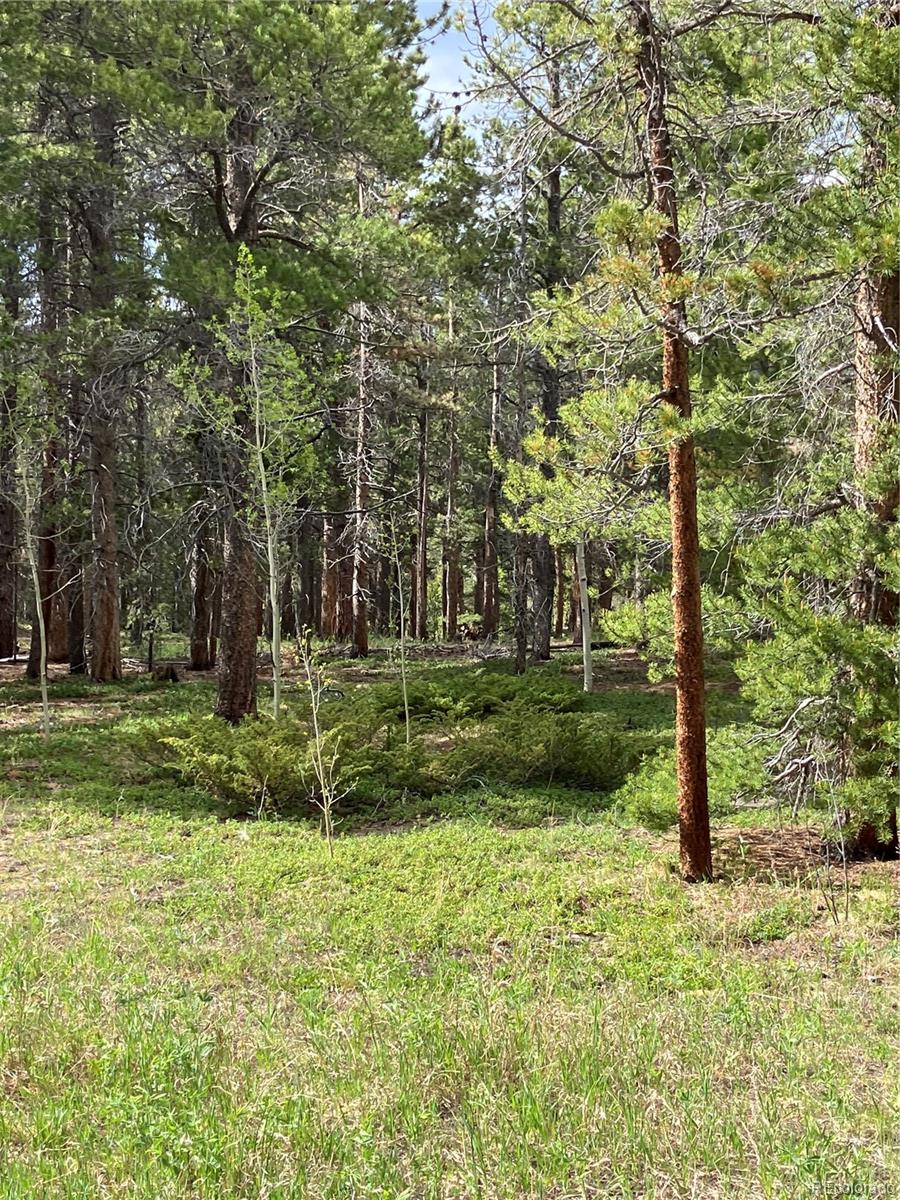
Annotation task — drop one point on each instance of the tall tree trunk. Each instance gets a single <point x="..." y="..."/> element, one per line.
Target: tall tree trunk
<point x="542" y="556"/>
<point x="331" y="551"/>
<point x="876" y="343"/>
<point x="74" y="594"/>
<point x="585" y="611"/>
<point x="77" y="534"/>
<point x="420" y="583"/>
<point x="690" y="717"/>
<point x="47" y="567"/>
<point x="543" y="571"/>
<point x="215" y="618"/>
<point x="520" y="601"/>
<point x="8" y="510"/>
<point x="201" y="608"/>
<point x="451" y="573"/>
<point x="240" y="619"/>
<point x="237" y="666"/>
<point x="360" y="581"/>
<point x="560" y="620"/>
<point x="490" y="604"/>
<point x="106" y="652"/>
<point x="47" y="549"/>
<point x="575" y="603"/>
<point x="478" y="591"/>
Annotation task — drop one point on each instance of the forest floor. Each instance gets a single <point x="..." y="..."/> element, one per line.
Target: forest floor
<point x="504" y="998"/>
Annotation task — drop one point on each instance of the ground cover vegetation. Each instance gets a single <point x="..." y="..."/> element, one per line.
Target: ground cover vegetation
<point x="449" y="591"/>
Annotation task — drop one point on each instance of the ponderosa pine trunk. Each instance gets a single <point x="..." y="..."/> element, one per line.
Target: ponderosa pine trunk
<point x="690" y="716"/>
<point x="240" y="618"/>
<point x="237" y="665"/>
<point x="876" y="340"/>
<point x="106" y="651"/>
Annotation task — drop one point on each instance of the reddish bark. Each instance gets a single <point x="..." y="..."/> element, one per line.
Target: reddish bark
<point x="240" y="618"/>
<point x="690" y="715"/>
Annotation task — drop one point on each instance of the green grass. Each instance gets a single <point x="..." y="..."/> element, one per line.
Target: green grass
<point x="193" y="1007"/>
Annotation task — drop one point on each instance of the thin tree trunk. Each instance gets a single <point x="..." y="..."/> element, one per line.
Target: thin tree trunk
<point x="215" y="620"/>
<point x="520" y="601"/>
<point x="76" y="623"/>
<point x="542" y="556"/>
<point x="106" y="653"/>
<point x="331" y="575"/>
<point x="420" y="628"/>
<point x="8" y="511"/>
<point x="690" y="717"/>
<point x="585" y="610"/>
<point x="201" y="610"/>
<point x="451" y="574"/>
<point x="360" y="581"/>
<point x="543" y="580"/>
<point x="575" y="603"/>
<point x="490" y="605"/>
<point x="47" y="574"/>
<point x="288" y="609"/>
<point x="560" y="621"/>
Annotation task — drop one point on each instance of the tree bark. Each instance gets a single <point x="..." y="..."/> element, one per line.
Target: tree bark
<point x="8" y="510"/>
<point x="451" y="572"/>
<point x="76" y="630"/>
<point x="420" y="570"/>
<point x="47" y="567"/>
<point x="560" y="621"/>
<point x="585" y="610"/>
<point x="520" y="601"/>
<point x="106" y="652"/>
<point x="490" y="604"/>
<point x="47" y="646"/>
<point x="690" y="718"/>
<point x="876" y="342"/>
<point x="542" y="555"/>
<point x="360" y="580"/>
<point x="237" y="667"/>
<point x="201" y="608"/>
<point x="240" y="618"/>
<point x="543" y="572"/>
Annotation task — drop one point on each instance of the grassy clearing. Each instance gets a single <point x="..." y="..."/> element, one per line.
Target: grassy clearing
<point x="193" y="1007"/>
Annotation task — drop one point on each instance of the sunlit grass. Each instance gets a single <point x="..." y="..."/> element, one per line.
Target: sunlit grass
<point x="193" y="1007"/>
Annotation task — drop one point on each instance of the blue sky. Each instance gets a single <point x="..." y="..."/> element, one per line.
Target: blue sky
<point x="446" y="70"/>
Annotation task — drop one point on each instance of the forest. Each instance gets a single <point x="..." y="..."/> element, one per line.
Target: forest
<point x="449" y="590"/>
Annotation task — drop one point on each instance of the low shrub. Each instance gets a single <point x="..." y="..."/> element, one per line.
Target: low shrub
<point x="565" y="748"/>
<point x="264" y="765"/>
<point x="649" y="796"/>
